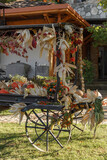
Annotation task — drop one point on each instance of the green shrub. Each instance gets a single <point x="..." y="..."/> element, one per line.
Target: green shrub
<point x="88" y="71"/>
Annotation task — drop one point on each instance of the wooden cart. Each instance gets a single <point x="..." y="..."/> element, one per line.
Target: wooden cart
<point x="42" y="128"/>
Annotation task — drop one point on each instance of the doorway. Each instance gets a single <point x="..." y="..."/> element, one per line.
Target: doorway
<point x="102" y="62"/>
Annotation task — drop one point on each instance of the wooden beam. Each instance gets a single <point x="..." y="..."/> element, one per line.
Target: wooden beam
<point x="24" y="17"/>
<point x="65" y="19"/>
<point x="30" y="21"/>
<point x="25" y="22"/>
<point x="89" y="40"/>
<point x="79" y="19"/>
<point x="35" y="13"/>
<point x="46" y="17"/>
<point x="59" y="18"/>
<point x="87" y="37"/>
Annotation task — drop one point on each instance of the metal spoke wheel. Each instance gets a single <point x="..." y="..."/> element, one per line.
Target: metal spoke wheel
<point x="77" y="128"/>
<point x="43" y="131"/>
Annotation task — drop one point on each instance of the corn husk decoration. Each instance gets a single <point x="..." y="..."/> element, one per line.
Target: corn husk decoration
<point x="69" y="30"/>
<point x="16" y="110"/>
<point x="63" y="69"/>
<point x="40" y="91"/>
<point x="47" y="39"/>
<point x="3" y="84"/>
<point x="18" y="78"/>
<point x="89" y="117"/>
<point x="24" y="38"/>
<point x="91" y="97"/>
<point x="72" y="89"/>
<point x="36" y="91"/>
<point x="94" y="115"/>
<point x="63" y="47"/>
<point x="19" y="90"/>
<point x="67" y="101"/>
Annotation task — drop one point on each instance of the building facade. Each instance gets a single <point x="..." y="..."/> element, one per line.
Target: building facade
<point x="92" y="12"/>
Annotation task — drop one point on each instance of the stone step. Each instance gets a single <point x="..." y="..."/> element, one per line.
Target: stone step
<point x="103" y="92"/>
<point x="105" y="108"/>
<point x="100" y="82"/>
<point x="105" y="117"/>
<point x="100" y="85"/>
<point x="105" y="112"/>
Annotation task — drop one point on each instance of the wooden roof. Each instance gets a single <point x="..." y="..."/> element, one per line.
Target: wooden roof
<point x="54" y="13"/>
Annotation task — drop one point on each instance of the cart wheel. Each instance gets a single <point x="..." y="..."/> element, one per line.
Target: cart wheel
<point x="40" y="133"/>
<point x="77" y="127"/>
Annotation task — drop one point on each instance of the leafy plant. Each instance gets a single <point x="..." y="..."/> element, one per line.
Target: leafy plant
<point x="103" y="3"/>
<point x="88" y="71"/>
<point x="99" y="34"/>
<point x="99" y="113"/>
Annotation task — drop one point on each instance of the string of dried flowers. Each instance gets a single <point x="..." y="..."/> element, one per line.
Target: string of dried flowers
<point x="15" y="42"/>
<point x="80" y="61"/>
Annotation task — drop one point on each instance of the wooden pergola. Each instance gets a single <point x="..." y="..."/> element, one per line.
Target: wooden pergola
<point x="54" y="13"/>
<point x="31" y="17"/>
<point x="47" y="14"/>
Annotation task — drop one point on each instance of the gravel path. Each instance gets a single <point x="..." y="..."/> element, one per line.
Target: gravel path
<point x="12" y="119"/>
<point x="15" y="119"/>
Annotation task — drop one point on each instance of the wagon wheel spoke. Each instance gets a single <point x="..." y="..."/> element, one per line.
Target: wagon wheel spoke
<point x="39" y="118"/>
<point x="35" y="127"/>
<point x="28" y="117"/>
<point x="55" y="138"/>
<point x="33" y="120"/>
<point x="78" y="128"/>
<point x="38" y="137"/>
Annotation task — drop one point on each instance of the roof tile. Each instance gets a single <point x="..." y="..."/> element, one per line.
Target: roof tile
<point x="27" y="3"/>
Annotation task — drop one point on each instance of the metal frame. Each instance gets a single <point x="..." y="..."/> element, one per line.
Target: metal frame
<point x="11" y="27"/>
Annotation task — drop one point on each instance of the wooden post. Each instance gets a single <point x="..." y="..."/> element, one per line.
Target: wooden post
<point x="57" y="63"/>
<point x="3" y="16"/>
<point x="81" y="62"/>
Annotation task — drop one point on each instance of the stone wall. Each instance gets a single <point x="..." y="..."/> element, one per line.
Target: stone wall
<point x="92" y="12"/>
<point x="89" y="9"/>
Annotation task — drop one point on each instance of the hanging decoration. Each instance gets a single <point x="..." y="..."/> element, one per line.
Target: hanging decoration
<point x="68" y="43"/>
<point x="69" y="40"/>
<point x="81" y="62"/>
<point x="24" y="38"/>
<point x="46" y="39"/>
<point x="16" y="42"/>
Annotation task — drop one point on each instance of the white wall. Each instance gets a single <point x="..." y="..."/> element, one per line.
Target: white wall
<point x="33" y="56"/>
